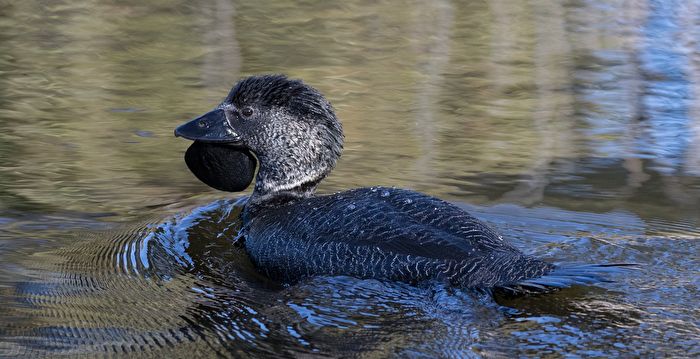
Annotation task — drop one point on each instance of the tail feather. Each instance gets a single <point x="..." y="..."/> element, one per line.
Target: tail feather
<point x="566" y="276"/>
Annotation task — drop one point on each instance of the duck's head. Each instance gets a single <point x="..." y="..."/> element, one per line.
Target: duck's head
<point x="288" y="125"/>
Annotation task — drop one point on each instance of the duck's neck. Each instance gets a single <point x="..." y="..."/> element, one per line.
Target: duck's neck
<point x="280" y="180"/>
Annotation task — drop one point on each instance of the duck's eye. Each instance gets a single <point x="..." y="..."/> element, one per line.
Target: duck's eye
<point x="247" y="111"/>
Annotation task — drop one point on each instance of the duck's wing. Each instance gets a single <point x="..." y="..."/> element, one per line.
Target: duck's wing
<point x="402" y="221"/>
<point x="398" y="235"/>
<point x="384" y="232"/>
<point x="468" y="252"/>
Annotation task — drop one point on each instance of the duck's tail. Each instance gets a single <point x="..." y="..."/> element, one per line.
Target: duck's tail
<point x="565" y="276"/>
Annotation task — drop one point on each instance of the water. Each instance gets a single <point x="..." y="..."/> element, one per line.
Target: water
<point x="571" y="127"/>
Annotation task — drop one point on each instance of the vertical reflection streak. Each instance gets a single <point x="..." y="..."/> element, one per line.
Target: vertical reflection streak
<point x="434" y="33"/>
<point x="553" y="113"/>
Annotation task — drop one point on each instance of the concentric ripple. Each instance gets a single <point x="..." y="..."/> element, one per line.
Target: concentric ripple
<point x="122" y="290"/>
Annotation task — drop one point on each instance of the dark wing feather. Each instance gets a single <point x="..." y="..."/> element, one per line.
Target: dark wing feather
<point x="383" y="233"/>
<point x="397" y="221"/>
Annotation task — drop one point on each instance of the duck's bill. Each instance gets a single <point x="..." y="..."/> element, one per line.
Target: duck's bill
<point x="212" y="127"/>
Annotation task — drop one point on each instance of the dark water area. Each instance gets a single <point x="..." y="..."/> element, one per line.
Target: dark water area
<point x="572" y="127"/>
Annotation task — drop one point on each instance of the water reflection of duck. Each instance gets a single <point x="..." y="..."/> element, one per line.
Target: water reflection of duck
<point x="385" y="233"/>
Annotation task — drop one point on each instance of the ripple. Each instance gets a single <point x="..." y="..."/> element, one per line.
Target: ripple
<point x="183" y="284"/>
<point x="117" y="290"/>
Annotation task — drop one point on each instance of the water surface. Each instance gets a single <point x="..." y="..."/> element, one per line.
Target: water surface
<point x="572" y="127"/>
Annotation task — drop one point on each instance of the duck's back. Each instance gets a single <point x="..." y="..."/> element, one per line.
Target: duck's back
<point x="382" y="233"/>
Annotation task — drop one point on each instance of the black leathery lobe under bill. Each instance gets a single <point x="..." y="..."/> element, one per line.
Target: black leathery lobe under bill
<point x="221" y="166"/>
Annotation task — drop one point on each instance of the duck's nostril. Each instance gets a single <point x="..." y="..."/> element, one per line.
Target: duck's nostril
<point x="202" y="124"/>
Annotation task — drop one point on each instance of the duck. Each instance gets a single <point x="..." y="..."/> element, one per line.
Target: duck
<point x="289" y="132"/>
